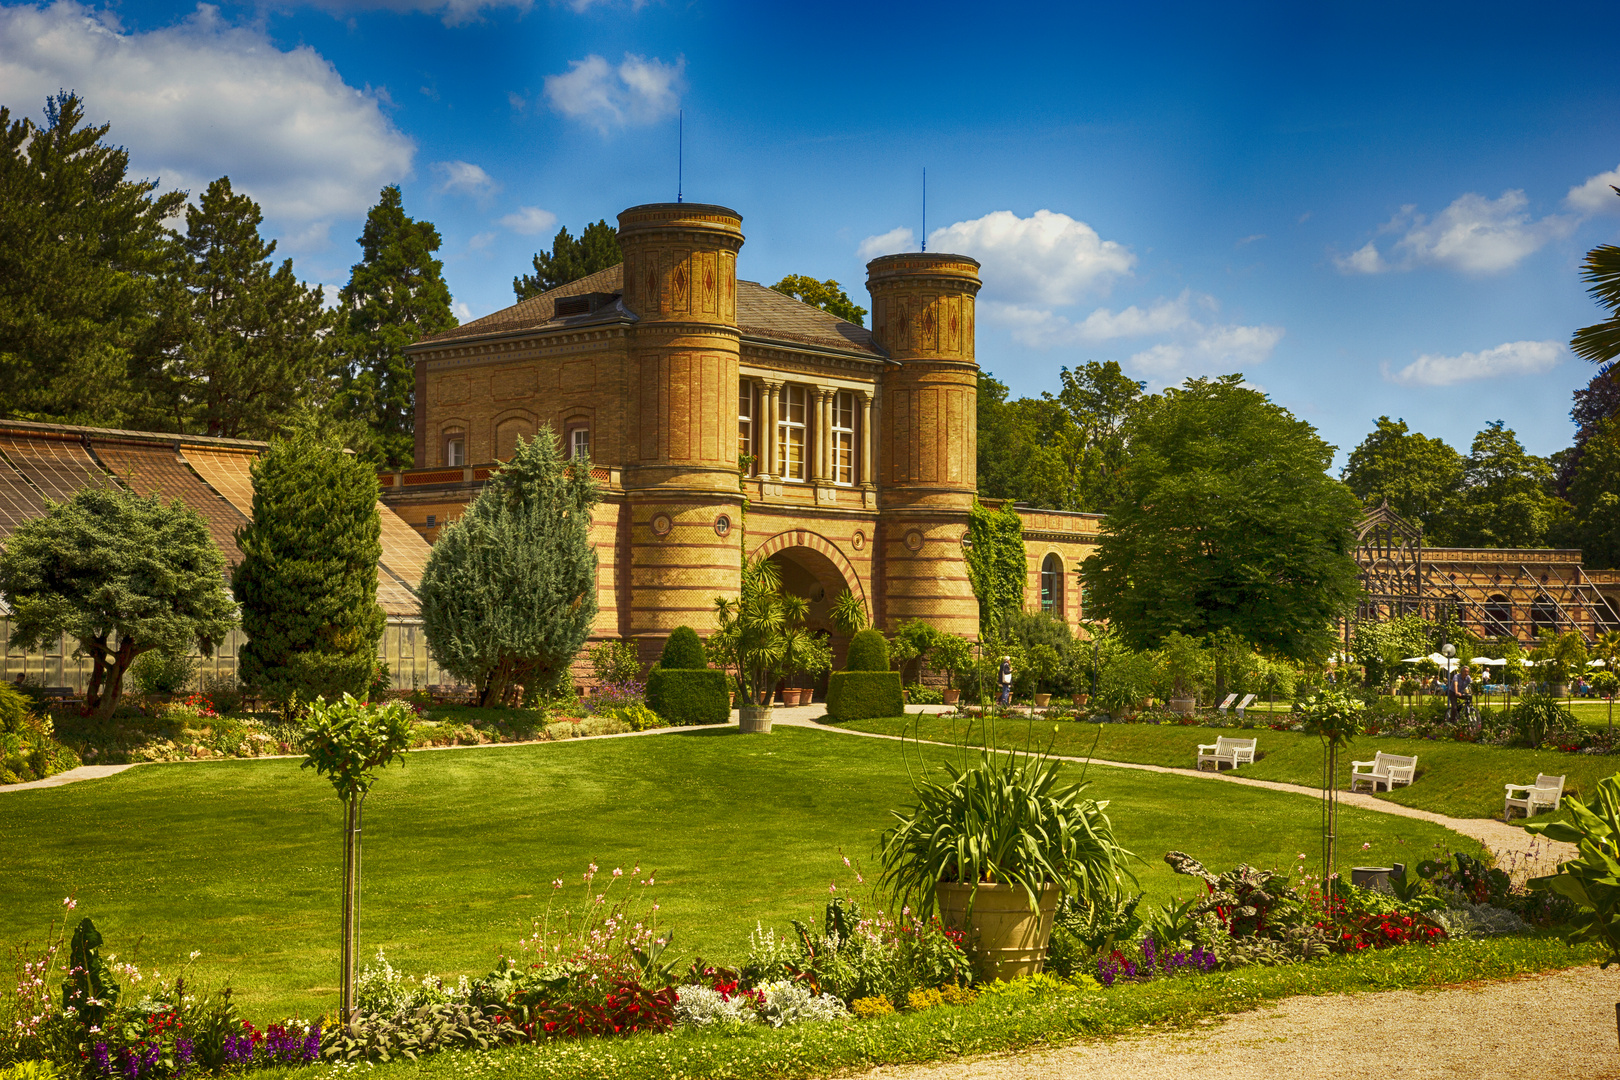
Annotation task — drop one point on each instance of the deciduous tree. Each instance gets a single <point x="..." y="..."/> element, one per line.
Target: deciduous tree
<point x="1419" y="476"/>
<point x="1506" y="498"/>
<point x="827" y="295"/>
<point x="509" y="594"/>
<point x="1226" y="519"/>
<point x="307" y="582"/>
<point x="120" y="575"/>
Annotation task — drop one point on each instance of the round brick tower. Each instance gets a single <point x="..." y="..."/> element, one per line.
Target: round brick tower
<point x="922" y="314"/>
<point x="680" y="279"/>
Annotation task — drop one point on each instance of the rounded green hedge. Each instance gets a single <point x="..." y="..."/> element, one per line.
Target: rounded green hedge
<point x="686" y="696"/>
<point x="868" y="651"/>
<point x="864" y="695"/>
<point x="684" y="650"/>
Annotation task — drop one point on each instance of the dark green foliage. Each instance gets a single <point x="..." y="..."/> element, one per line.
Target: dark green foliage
<point x="597" y="248"/>
<point x="120" y="575"/>
<point x="684" y="650"/>
<point x="89" y="987"/>
<point x="1600" y="342"/>
<point x="868" y="651"/>
<point x="159" y="672"/>
<point x="1506" y="499"/>
<point x="827" y="295"/>
<point x="863" y="695"/>
<point x="1419" y="476"/>
<point x="254" y="350"/>
<point x="689" y="695"/>
<point x="997" y="565"/>
<point x="396" y="295"/>
<point x="307" y="582"/>
<point x="1063" y="452"/>
<point x="509" y="594"/>
<point x="86" y="315"/>
<point x="1228" y="519"/>
<point x="347" y="741"/>
<point x="1594" y="496"/>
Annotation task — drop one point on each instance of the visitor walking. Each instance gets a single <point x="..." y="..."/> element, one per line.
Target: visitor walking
<point x="1006" y="681"/>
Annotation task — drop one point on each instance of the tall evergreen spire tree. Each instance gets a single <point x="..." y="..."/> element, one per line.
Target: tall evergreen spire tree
<point x="396" y="295"/>
<point x="307" y="581"/>
<point x="509" y="593"/>
<point x="570" y="259"/>
<point x="254" y="351"/>
<point x="85" y="316"/>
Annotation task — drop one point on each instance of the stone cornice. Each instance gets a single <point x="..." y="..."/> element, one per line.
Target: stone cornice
<point x="526" y="345"/>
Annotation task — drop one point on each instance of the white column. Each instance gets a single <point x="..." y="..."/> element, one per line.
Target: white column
<point x="866" y="436"/>
<point x="769" y="452"/>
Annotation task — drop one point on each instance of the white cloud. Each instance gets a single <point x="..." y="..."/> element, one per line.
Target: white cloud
<point x="528" y="220"/>
<point x="637" y="91"/>
<point x="463" y="312"/>
<point x="331" y="295"/>
<point x="1597" y="194"/>
<point x="1513" y="358"/>
<point x="1474" y="234"/>
<point x="451" y="12"/>
<point x="1197" y="343"/>
<point x="892" y="242"/>
<point x="1046" y="258"/>
<point x="203" y="98"/>
<point x="465" y="178"/>
<point x="481" y="240"/>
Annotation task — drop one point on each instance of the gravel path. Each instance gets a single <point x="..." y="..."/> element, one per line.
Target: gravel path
<point x="1544" y="1026"/>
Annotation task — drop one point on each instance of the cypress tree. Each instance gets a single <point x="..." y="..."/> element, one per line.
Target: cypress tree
<point x="509" y="593"/>
<point x="307" y="582"/>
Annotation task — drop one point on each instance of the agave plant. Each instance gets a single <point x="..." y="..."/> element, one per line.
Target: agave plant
<point x="1006" y="818"/>
<point x="1590" y="880"/>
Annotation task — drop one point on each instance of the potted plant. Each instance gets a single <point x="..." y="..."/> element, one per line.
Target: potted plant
<point x="1044" y="665"/>
<point x="1559" y="656"/>
<point x="954" y="656"/>
<point x="1184" y="660"/>
<point x="991" y="843"/>
<point x="804" y="652"/>
<point x="756" y="636"/>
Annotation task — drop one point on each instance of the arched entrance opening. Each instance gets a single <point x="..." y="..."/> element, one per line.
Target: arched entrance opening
<point x="812" y="568"/>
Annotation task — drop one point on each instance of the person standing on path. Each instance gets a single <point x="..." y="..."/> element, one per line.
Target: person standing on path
<point x="1006" y="681"/>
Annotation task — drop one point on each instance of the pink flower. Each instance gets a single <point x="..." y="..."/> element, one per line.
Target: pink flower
<point x="70" y="903"/>
<point x="617" y="872"/>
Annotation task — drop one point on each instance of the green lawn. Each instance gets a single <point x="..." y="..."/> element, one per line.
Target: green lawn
<point x="1456" y="779"/>
<point x="239" y="858"/>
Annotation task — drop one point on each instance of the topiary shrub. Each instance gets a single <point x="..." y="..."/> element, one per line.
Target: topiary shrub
<point x="863" y="695"/>
<point x="868" y="651"/>
<point x="684" y="650"/>
<point x="159" y="672"/>
<point x="684" y="697"/>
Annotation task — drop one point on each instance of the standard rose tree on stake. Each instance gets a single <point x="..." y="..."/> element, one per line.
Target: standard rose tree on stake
<point x="348" y="742"/>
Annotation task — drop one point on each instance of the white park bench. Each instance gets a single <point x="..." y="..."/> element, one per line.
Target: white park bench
<point x="1547" y="792"/>
<point x="1390" y="770"/>
<point x="1225" y="753"/>
<point x="1244" y="704"/>
<point x="1227" y="704"/>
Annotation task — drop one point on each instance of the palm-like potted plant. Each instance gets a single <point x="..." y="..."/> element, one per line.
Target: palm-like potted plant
<point x="761" y="636"/>
<point x="992" y="842"/>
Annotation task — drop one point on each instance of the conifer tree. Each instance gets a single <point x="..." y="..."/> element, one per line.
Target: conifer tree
<point x="597" y="248"/>
<point x="120" y="575"/>
<point x="254" y="351"/>
<point x="396" y="295"/>
<point x="307" y="582"/>
<point x="85" y="314"/>
<point x="509" y="594"/>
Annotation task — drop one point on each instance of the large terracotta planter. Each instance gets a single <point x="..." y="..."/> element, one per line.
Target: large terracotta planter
<point x="1183" y="706"/>
<point x="1042" y="700"/>
<point x="756" y="720"/>
<point x="952" y="696"/>
<point x="1006" y="938"/>
<point x="792" y="696"/>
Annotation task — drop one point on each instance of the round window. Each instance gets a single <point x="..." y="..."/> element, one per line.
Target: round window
<point x="722" y="525"/>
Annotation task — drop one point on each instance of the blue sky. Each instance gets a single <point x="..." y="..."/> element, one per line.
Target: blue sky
<point x="1367" y="210"/>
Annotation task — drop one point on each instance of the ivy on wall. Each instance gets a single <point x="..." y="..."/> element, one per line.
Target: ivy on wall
<point x="997" y="565"/>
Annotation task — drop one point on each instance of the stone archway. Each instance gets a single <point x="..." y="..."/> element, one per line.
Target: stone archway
<point x="814" y="568"/>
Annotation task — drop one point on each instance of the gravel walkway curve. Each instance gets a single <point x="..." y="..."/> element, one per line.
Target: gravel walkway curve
<point x="1547" y="1026"/>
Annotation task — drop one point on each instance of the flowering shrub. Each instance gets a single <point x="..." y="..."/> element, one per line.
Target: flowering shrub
<point x="705" y="1006"/>
<point x="613" y="695"/>
<point x="1155" y="962"/>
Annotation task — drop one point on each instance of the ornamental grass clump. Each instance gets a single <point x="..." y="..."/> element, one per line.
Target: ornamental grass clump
<point x="1001" y="817"/>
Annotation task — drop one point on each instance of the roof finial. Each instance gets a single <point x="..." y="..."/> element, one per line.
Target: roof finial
<point x="680" y="154"/>
<point x="925" y="209"/>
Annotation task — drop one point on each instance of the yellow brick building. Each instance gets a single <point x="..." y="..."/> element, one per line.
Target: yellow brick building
<point x="668" y="369"/>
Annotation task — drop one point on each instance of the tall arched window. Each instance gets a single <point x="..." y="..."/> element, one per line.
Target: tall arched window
<point x="1498" y="616"/>
<point x="1052" y="584"/>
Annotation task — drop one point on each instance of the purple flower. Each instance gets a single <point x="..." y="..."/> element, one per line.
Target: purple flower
<point x="98" y="1054"/>
<point x="184" y="1053"/>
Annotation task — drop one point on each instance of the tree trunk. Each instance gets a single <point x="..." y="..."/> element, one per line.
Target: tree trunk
<point x="114" y="677"/>
<point x="351" y="883"/>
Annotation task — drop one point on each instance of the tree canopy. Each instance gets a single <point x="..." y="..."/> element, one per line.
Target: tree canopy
<point x="1226" y="520"/>
<point x="1419" y="476"/>
<point x="571" y="258"/>
<point x="827" y="295"/>
<point x="1506" y="498"/>
<point x="1061" y="451"/>
<point x="307" y="582"/>
<point x="253" y="352"/>
<point x="396" y="296"/>
<point x="86" y="313"/>
<point x="509" y="593"/>
<point x="120" y="575"/>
